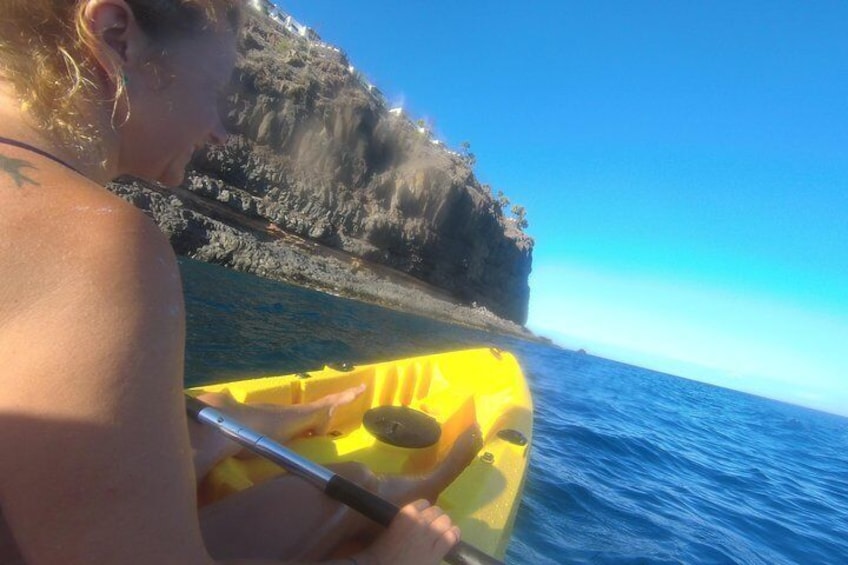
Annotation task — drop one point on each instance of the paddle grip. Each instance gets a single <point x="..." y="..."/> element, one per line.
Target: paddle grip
<point x="383" y="512"/>
<point x="365" y="502"/>
<point x="465" y="554"/>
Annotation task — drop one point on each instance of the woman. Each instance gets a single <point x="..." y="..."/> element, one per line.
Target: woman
<point x="97" y="454"/>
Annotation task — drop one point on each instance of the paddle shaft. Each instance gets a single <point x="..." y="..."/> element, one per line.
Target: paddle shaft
<point x="335" y="486"/>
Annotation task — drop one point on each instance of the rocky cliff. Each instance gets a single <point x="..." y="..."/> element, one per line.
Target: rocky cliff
<point x="321" y="184"/>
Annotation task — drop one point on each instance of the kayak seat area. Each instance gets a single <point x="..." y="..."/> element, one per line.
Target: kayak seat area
<point x="450" y="391"/>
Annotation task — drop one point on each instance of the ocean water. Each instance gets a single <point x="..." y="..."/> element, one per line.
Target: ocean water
<point x="628" y="465"/>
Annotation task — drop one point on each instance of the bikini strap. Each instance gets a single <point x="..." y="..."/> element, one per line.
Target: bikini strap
<point x="28" y="147"/>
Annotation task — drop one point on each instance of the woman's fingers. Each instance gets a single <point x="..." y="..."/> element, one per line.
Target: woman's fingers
<point x="441" y="527"/>
<point x="419" y="505"/>
<point x="447" y="540"/>
<point x="435" y="521"/>
<point x="419" y="534"/>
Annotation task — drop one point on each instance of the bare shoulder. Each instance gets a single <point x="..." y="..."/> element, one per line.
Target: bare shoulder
<point x="74" y="256"/>
<point x="92" y="338"/>
<point x="72" y="225"/>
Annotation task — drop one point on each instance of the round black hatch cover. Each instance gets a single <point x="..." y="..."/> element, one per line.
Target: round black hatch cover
<point x="402" y="426"/>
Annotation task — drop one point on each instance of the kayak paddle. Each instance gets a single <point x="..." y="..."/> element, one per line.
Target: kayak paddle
<point x="335" y="486"/>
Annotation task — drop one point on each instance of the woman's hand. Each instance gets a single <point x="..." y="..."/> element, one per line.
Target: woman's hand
<point x="420" y="534"/>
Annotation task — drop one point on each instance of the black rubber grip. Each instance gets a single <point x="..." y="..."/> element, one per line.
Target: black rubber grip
<point x="465" y="554"/>
<point x="365" y="502"/>
<point x="194" y="406"/>
<point x="383" y="512"/>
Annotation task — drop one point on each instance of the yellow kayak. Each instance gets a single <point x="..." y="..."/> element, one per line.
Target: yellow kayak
<point x="404" y="423"/>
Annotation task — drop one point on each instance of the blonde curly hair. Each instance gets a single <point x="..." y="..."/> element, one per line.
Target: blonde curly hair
<point x="45" y="55"/>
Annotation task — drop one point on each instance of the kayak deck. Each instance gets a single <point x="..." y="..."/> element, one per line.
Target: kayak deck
<point x="456" y="390"/>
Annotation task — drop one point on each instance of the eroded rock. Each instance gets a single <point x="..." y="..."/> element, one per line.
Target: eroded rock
<point x="318" y="156"/>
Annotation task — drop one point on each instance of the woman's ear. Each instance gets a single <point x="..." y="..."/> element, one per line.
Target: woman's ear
<point x="115" y="38"/>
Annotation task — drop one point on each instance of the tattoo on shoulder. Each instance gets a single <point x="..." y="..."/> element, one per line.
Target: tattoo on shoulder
<point x="15" y="169"/>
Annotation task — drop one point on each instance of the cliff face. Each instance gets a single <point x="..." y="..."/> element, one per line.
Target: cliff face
<point x="317" y="154"/>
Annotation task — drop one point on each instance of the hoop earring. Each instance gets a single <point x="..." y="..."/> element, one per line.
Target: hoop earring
<point x="120" y="93"/>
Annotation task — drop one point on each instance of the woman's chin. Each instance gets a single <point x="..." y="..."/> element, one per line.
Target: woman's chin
<point x="172" y="176"/>
<point x="169" y="176"/>
<point x="172" y="179"/>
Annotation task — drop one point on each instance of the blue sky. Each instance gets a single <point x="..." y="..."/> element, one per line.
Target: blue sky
<point x="683" y="166"/>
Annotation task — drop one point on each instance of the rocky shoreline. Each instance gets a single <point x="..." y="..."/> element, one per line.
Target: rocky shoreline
<point x="209" y="231"/>
<point x="323" y="185"/>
